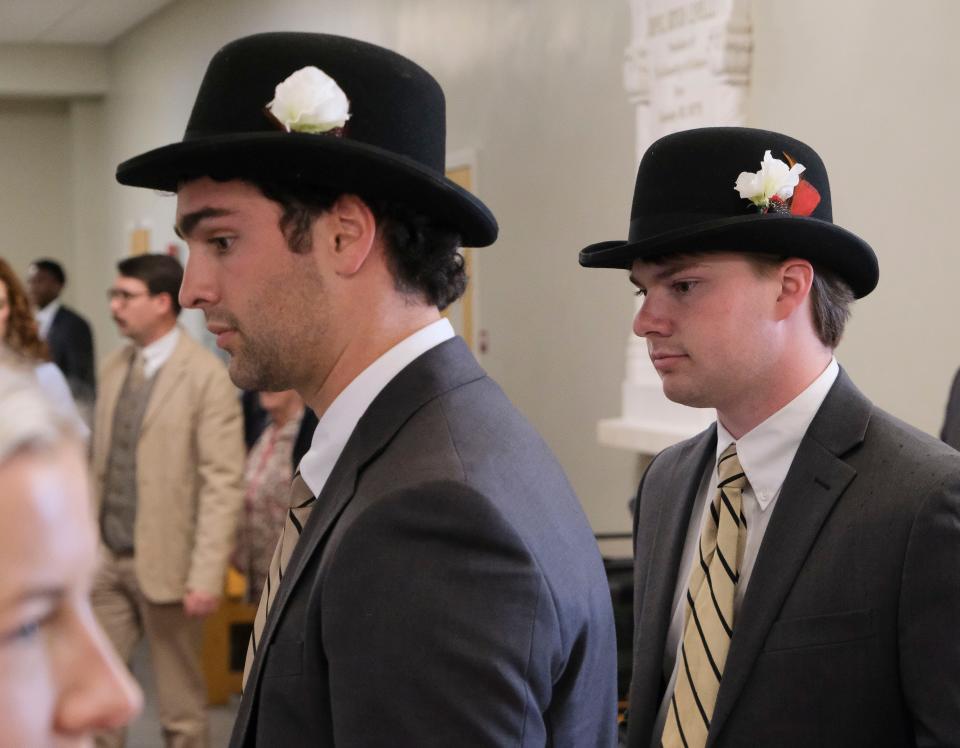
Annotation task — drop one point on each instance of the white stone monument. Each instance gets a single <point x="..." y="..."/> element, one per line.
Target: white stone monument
<point x="687" y="66"/>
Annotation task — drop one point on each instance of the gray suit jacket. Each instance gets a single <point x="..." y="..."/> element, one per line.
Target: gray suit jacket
<point x="848" y="634"/>
<point x="446" y="591"/>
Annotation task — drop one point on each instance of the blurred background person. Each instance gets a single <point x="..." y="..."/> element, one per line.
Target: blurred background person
<point x="168" y="476"/>
<point x="268" y="474"/>
<point x="67" y="334"/>
<point x="18" y="333"/>
<point x="59" y="677"/>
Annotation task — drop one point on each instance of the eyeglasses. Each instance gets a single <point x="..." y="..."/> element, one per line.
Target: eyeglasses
<point x="119" y="294"/>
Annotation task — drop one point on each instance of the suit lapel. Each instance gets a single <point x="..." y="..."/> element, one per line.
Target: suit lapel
<point x="445" y="367"/>
<point x="816" y="480"/>
<point x="676" y="495"/>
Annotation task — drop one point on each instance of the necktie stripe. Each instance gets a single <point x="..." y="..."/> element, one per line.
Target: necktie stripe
<point x="676" y="714"/>
<point x="693" y="688"/>
<point x="703" y="638"/>
<point x="734" y="513"/>
<point x="708" y="623"/>
<point x="730" y="479"/>
<point x="295" y="522"/>
<point x="734" y="577"/>
<point x="713" y="596"/>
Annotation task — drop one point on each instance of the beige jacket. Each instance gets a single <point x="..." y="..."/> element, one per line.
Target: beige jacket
<point x="189" y="469"/>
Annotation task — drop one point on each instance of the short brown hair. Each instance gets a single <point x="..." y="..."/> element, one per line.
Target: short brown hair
<point x="830" y="297"/>
<point x="160" y="274"/>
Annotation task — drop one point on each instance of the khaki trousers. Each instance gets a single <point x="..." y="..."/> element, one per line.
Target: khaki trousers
<point x="175" y="643"/>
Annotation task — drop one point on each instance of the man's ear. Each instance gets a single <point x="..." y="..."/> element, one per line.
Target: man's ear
<point x="796" y="280"/>
<point x="351" y="229"/>
<point x="164" y="303"/>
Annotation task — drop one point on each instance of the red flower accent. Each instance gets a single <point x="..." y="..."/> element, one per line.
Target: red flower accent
<point x="805" y="199"/>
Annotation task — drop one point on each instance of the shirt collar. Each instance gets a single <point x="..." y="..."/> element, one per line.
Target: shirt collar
<point x="338" y="422"/>
<point x="45" y="316"/>
<point x="767" y="451"/>
<point x="159" y="351"/>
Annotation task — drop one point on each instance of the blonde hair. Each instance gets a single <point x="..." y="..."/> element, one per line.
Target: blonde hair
<point x="28" y="420"/>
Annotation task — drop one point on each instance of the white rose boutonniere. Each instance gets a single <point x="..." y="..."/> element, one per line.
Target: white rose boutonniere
<point x="775" y="181"/>
<point x="778" y="187"/>
<point x="309" y="101"/>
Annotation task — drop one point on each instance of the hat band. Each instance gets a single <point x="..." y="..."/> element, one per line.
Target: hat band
<point x="645" y="227"/>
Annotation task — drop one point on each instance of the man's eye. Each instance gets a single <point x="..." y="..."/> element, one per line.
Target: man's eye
<point x="221" y="243"/>
<point x="640" y="292"/>
<point x="684" y="286"/>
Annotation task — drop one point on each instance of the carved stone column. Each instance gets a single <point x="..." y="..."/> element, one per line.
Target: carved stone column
<point x="688" y="65"/>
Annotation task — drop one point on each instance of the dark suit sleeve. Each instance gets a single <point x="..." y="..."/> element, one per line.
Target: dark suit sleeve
<point x="929" y="619"/>
<point x="433" y="617"/>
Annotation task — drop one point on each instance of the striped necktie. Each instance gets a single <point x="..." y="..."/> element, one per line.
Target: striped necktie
<point x="301" y="502"/>
<point x="708" y="624"/>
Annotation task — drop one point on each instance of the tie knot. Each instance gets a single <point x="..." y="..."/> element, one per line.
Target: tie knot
<point x="729" y="472"/>
<point x="300" y="493"/>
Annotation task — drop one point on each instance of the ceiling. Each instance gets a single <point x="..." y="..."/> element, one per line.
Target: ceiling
<point x="71" y="21"/>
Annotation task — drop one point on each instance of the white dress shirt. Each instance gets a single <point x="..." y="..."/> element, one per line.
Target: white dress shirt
<point x="159" y="351"/>
<point x="766" y="453"/>
<point x="338" y="422"/>
<point x="45" y="317"/>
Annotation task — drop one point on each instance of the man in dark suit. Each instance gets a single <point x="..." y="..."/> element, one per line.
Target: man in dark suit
<point x="436" y="582"/>
<point x="67" y="334"/>
<point x="798" y="563"/>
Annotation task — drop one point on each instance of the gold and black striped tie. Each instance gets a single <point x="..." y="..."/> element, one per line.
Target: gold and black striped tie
<point x="301" y="502"/>
<point x="708" y="623"/>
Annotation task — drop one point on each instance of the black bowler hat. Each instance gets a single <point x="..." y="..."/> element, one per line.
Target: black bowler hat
<point x="392" y="146"/>
<point x="685" y="200"/>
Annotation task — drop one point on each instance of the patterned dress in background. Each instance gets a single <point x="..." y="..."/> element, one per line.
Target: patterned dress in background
<point x="268" y="474"/>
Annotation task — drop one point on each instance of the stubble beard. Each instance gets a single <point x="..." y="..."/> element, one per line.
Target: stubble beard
<point x="260" y="365"/>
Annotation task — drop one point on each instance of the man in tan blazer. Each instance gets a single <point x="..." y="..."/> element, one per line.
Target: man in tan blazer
<point x="167" y="466"/>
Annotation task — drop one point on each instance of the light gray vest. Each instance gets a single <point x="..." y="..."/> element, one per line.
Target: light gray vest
<point x="118" y="511"/>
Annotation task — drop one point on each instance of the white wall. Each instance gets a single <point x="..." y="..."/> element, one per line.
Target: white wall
<point x="35" y="206"/>
<point x="535" y="89"/>
<point x="873" y="87"/>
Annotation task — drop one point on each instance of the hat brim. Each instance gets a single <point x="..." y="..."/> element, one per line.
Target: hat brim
<point x="815" y="240"/>
<point x="317" y="160"/>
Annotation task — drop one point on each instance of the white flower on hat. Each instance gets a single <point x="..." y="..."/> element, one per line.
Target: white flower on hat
<point x="775" y="180"/>
<point x="310" y="101"/>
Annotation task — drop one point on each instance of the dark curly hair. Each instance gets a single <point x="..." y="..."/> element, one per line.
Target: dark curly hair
<point x="21" y="335"/>
<point x="424" y="257"/>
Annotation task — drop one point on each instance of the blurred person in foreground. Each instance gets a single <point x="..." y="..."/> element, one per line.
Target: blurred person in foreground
<point x="436" y="583"/>
<point x="60" y="679"/>
<point x="18" y="333"/>
<point x="67" y="334"/>
<point x="797" y="564"/>
<point x="168" y="471"/>
<point x="267" y="477"/>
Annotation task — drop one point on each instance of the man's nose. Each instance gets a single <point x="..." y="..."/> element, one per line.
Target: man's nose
<point x="198" y="288"/>
<point x="649" y="319"/>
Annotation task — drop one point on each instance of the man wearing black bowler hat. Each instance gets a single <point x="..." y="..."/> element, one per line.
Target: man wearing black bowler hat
<point x="798" y="563"/>
<point x="436" y="582"/>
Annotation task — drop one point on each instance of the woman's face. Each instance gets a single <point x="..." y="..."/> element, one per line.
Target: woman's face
<point x="4" y="310"/>
<point x="59" y="677"/>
